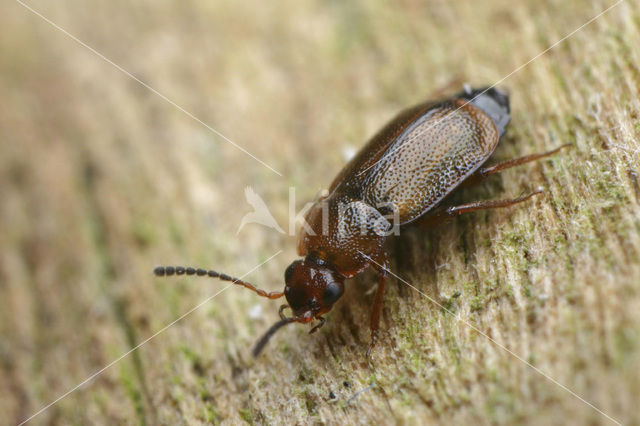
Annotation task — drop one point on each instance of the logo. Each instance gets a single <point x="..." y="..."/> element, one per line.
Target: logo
<point x="355" y="216"/>
<point x="260" y="214"/>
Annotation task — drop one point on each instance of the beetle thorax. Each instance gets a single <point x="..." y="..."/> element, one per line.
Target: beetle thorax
<point x="339" y="230"/>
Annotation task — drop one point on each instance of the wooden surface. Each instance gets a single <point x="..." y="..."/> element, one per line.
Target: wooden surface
<point x="101" y="180"/>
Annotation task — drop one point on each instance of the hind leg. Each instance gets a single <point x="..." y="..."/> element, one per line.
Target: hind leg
<point x="484" y="172"/>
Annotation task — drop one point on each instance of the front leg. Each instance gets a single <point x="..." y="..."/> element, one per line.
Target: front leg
<point x="381" y="267"/>
<point x="315" y="328"/>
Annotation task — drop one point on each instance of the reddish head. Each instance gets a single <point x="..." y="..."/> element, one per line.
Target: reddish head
<point x="311" y="288"/>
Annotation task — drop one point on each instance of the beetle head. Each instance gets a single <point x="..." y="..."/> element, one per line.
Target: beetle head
<point x="311" y="288"/>
<point x="494" y="103"/>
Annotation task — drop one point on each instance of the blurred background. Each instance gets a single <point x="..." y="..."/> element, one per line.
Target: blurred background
<point x="101" y="179"/>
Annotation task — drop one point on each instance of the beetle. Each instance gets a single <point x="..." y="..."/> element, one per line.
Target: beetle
<point x="405" y="173"/>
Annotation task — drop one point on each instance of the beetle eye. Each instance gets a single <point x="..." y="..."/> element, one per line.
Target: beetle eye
<point x="287" y="273"/>
<point x="331" y="294"/>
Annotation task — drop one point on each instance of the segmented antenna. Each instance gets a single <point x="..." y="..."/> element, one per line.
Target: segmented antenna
<point x="162" y="271"/>
<point x="267" y="336"/>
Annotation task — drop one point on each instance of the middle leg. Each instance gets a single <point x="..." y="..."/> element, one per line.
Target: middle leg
<point x="444" y="213"/>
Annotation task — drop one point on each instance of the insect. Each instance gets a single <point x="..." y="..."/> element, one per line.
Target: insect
<point x="402" y="175"/>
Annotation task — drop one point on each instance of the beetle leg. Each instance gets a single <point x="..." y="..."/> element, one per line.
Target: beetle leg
<point x="315" y="328"/>
<point x="281" y="311"/>
<point x="378" y="303"/>
<point x="443" y="213"/>
<point x="484" y="172"/>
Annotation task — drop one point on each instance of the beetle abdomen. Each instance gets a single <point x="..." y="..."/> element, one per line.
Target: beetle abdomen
<point x="432" y="156"/>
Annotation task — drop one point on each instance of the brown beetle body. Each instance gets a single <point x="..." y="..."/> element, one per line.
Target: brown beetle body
<point x="410" y="165"/>
<point x="403" y="174"/>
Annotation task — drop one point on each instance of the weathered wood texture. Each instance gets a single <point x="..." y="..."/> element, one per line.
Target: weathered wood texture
<point x="101" y="180"/>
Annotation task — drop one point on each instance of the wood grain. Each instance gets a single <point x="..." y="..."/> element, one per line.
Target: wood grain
<point x="101" y="180"/>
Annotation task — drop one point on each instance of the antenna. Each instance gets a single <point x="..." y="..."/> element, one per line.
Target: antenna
<point x="162" y="271"/>
<point x="265" y="338"/>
